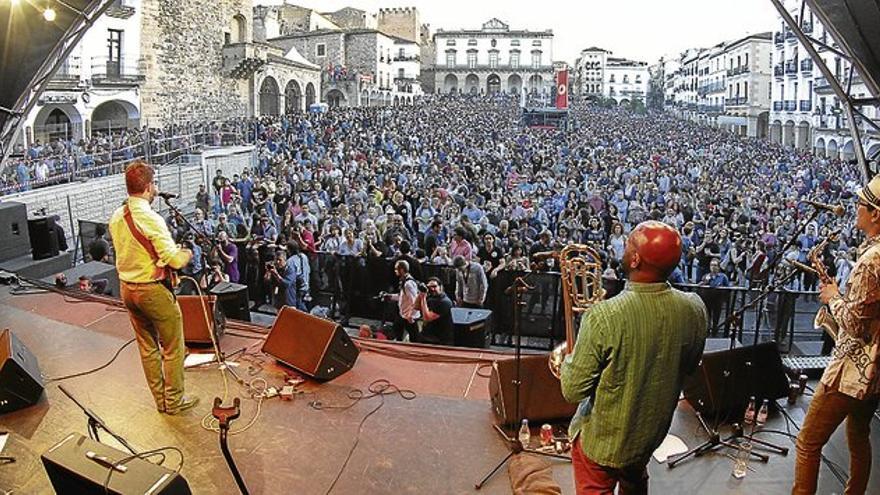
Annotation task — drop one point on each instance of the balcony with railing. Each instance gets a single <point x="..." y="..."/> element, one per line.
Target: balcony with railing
<point x="806" y="105"/>
<point x="791" y="67"/>
<point x="736" y="101"/>
<point x="806" y="65"/>
<point x="778" y="38"/>
<point x="790" y="105"/>
<point x="710" y="109"/>
<point x="115" y="72"/>
<point x="807" y="27"/>
<point x="742" y="69"/>
<point x="479" y="67"/>
<point x="777" y="106"/>
<point x="779" y="71"/>
<point x="241" y="60"/>
<point x="407" y="58"/>
<point x="789" y="35"/>
<point x="821" y="84"/>
<point x="67" y="77"/>
<point x="121" y="9"/>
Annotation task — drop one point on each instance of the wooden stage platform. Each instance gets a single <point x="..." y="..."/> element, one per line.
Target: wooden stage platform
<point x="441" y="442"/>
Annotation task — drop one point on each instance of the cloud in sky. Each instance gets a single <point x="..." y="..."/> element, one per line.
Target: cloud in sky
<point x="638" y="29"/>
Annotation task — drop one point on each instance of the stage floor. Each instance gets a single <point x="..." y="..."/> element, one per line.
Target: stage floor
<point x="440" y="442"/>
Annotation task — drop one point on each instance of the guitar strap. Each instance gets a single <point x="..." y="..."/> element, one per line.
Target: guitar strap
<point x="161" y="274"/>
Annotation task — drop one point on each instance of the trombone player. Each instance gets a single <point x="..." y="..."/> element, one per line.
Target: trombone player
<point x="626" y="371"/>
<point x="849" y="388"/>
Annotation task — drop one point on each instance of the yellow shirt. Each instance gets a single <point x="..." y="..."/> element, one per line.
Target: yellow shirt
<point x="133" y="261"/>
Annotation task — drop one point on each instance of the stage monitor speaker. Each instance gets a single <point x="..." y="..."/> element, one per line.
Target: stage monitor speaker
<point x="725" y="380"/>
<point x="195" y="329"/>
<point x="540" y="395"/>
<point x="314" y="346"/>
<point x="471" y="326"/>
<point x="20" y="382"/>
<point x="14" y="239"/>
<point x="233" y="300"/>
<point x="44" y="241"/>
<point x="78" y="466"/>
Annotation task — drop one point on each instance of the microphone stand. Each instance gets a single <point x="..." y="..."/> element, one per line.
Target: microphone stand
<point x="517" y="289"/>
<point x="735" y="319"/>
<point x="200" y="235"/>
<point x="95" y="422"/>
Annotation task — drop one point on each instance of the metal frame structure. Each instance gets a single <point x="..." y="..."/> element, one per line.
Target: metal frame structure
<point x="84" y="19"/>
<point x="850" y="104"/>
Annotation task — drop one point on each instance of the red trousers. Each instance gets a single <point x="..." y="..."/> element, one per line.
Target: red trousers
<point x="593" y="479"/>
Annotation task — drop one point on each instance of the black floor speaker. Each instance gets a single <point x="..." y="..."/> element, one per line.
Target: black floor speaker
<point x="44" y="241"/>
<point x="14" y="238"/>
<point x="233" y="300"/>
<point x="540" y="393"/>
<point x="314" y="346"/>
<point x="79" y="466"/>
<point x="471" y="326"/>
<point x="726" y="379"/>
<point x="20" y="382"/>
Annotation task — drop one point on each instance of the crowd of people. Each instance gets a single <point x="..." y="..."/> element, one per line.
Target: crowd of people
<point x="458" y="180"/>
<point x="59" y="158"/>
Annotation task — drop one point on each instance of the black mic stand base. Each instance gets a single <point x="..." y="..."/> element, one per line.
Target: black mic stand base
<point x="711" y="444"/>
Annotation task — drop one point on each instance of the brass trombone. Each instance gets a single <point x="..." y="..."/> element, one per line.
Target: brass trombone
<point x="580" y="269"/>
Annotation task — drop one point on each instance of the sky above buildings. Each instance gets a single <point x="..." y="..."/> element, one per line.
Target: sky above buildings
<point x="638" y="29"/>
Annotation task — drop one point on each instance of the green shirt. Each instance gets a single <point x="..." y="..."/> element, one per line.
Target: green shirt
<point x="630" y="358"/>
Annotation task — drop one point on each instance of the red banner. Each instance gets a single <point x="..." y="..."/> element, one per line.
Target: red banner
<point x="562" y="89"/>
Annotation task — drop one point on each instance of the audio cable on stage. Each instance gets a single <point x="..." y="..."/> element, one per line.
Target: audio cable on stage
<point x="378" y="388"/>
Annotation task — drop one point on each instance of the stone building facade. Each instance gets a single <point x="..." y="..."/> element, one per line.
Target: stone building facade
<point x="96" y="90"/>
<point x="182" y="60"/>
<point x="494" y="59"/>
<point x="357" y="65"/>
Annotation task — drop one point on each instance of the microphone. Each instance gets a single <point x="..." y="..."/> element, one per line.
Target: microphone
<point x="837" y="210"/>
<point x="167" y="195"/>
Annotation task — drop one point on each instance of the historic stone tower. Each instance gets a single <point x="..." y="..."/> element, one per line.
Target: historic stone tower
<point x="401" y="22"/>
<point x="182" y="60"/>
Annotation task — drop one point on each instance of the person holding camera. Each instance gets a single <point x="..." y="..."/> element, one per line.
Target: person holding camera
<point x="436" y="310"/>
<point x="282" y="281"/>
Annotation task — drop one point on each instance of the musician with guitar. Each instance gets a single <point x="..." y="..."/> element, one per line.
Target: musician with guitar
<point x="146" y="257"/>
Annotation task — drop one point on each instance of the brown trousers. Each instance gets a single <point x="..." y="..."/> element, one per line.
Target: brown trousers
<point x="158" y="327"/>
<point x="827" y="410"/>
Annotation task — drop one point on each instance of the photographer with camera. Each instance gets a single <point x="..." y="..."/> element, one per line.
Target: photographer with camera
<point x="282" y="281"/>
<point x="437" y="314"/>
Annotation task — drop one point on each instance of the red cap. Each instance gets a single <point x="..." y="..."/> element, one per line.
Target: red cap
<point x="658" y="244"/>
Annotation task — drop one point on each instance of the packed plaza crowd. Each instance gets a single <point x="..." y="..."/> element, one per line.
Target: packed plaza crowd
<point x="459" y="177"/>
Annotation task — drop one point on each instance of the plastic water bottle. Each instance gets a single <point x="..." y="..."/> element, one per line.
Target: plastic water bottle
<point x="762" y="414"/>
<point x="524" y="434"/>
<point x="749" y="417"/>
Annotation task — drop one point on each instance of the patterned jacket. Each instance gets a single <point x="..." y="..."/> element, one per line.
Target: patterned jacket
<point x="854" y="359"/>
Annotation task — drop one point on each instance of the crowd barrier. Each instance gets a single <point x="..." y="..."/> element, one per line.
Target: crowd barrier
<point x="352" y="284"/>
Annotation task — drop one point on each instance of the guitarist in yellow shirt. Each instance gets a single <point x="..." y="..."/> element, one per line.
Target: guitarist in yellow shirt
<point x="146" y="256"/>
